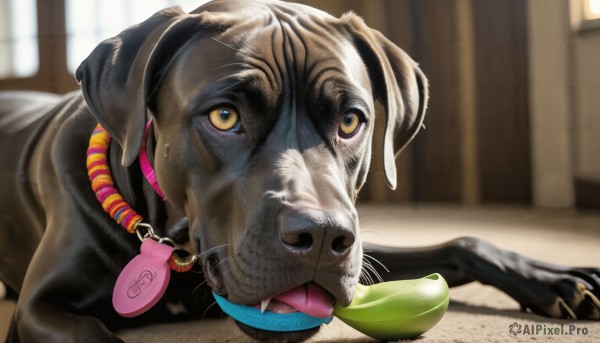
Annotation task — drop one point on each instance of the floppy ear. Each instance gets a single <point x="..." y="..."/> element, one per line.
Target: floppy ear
<point x="398" y="83"/>
<point x="117" y="77"/>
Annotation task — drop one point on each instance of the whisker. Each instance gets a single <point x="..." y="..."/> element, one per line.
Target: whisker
<point x="368" y="278"/>
<point x="371" y="232"/>
<point x="230" y="64"/>
<point x="365" y="217"/>
<point x="227" y="45"/>
<point x="197" y="287"/>
<point x="232" y="85"/>
<point x="208" y="308"/>
<point x="374" y="272"/>
<point x="368" y="267"/>
<point x="223" y="260"/>
<point x="378" y="262"/>
<point x="211" y="249"/>
<point x="371" y="281"/>
<point x="215" y="266"/>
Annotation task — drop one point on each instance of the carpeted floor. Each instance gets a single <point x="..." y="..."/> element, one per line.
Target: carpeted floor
<point x="477" y="313"/>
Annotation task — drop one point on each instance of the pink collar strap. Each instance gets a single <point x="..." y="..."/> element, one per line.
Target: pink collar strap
<point x="147" y="169"/>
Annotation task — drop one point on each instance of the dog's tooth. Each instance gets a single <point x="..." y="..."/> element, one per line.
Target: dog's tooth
<point x="264" y="304"/>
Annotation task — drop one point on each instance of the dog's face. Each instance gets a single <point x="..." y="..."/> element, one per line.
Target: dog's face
<point x="270" y="134"/>
<point x="263" y="119"/>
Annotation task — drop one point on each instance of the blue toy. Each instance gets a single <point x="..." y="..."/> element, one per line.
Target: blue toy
<point x="386" y="311"/>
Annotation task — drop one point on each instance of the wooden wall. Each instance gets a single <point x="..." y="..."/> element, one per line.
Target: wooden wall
<point x="53" y="75"/>
<point x="502" y="100"/>
<point x="474" y="52"/>
<point x="476" y="145"/>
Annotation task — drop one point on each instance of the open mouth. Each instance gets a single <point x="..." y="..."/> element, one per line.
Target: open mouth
<point x="310" y="299"/>
<point x="291" y="316"/>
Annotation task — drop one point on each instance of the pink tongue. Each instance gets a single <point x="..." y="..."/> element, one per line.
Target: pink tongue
<point x="311" y="300"/>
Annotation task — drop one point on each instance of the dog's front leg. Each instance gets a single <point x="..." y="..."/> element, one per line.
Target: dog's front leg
<point x="67" y="280"/>
<point x="407" y="263"/>
<point x="38" y="321"/>
<point x="546" y="289"/>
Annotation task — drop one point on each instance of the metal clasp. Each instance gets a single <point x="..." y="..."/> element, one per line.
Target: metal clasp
<point x="176" y="263"/>
<point x="150" y="233"/>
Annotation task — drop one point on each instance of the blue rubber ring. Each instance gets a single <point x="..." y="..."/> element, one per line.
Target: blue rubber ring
<point x="269" y="321"/>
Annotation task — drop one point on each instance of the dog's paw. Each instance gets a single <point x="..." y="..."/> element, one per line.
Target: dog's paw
<point x="543" y="288"/>
<point x="568" y="293"/>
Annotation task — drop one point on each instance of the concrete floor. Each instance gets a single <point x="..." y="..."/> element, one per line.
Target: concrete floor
<point x="477" y="313"/>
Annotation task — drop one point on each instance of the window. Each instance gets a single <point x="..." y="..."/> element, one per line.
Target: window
<point x="590" y="15"/>
<point x="592" y="9"/>
<point x="91" y="21"/>
<point x="19" y="56"/>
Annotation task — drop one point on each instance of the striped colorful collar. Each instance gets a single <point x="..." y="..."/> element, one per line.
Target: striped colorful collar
<point x="113" y="202"/>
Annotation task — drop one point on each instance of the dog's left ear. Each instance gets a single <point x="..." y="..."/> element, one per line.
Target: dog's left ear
<point x="117" y="77"/>
<point x="398" y="83"/>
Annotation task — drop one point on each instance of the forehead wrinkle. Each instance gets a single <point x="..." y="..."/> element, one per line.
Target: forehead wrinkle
<point x="321" y="72"/>
<point x="227" y="84"/>
<point x="302" y="50"/>
<point x="323" y="61"/>
<point x="257" y="50"/>
<point x="261" y="69"/>
<point x="257" y="83"/>
<point x="334" y="75"/>
<point x="263" y="58"/>
<point x="276" y="43"/>
<point x="281" y="48"/>
<point x="309" y="49"/>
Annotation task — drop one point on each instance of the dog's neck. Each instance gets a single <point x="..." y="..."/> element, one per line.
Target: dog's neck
<point x="134" y="190"/>
<point x="129" y="200"/>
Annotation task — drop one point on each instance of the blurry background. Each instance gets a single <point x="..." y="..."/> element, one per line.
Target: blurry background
<point x="513" y="120"/>
<point x="514" y="112"/>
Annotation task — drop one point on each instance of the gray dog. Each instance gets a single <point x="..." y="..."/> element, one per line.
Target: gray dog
<point x="263" y="116"/>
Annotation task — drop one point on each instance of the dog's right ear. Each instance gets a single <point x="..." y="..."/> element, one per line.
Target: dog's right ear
<point x="116" y="78"/>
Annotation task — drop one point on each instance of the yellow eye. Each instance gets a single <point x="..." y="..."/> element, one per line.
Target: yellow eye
<point x="349" y="124"/>
<point x="225" y="119"/>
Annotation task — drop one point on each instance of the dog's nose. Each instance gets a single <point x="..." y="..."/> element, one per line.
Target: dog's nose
<point x="311" y="233"/>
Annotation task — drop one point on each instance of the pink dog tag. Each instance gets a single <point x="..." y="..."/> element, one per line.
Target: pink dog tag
<point x="144" y="280"/>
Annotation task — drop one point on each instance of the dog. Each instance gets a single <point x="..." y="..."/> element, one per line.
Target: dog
<point x="261" y="135"/>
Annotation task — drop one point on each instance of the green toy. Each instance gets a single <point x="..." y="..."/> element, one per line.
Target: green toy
<point x="386" y="311"/>
<point x="397" y="309"/>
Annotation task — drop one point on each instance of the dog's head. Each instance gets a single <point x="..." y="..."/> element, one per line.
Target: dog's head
<point x="263" y="121"/>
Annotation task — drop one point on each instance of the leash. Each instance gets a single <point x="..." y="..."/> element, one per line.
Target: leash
<point x="144" y="279"/>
